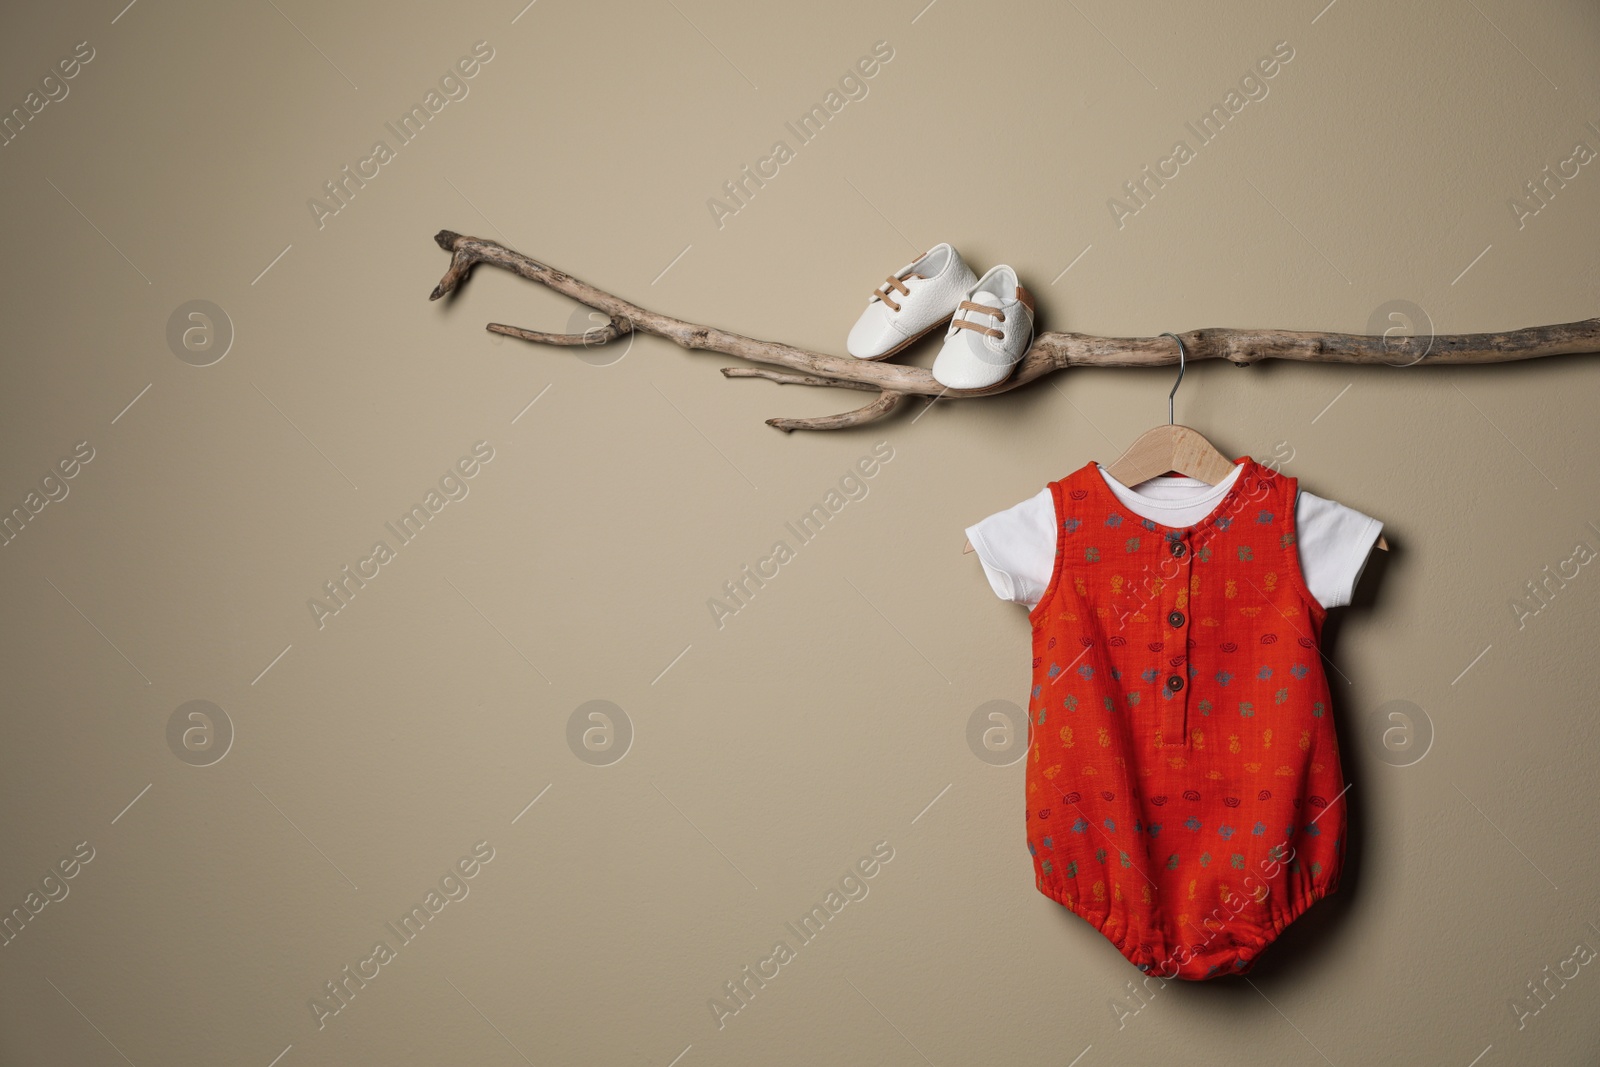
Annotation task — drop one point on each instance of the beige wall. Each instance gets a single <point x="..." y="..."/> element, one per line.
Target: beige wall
<point x="371" y="754"/>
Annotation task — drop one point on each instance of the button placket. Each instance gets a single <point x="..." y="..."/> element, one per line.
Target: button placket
<point x="1177" y="621"/>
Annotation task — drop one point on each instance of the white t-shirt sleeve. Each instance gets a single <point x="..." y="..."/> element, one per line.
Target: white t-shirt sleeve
<point x="1334" y="542"/>
<point x="1017" y="548"/>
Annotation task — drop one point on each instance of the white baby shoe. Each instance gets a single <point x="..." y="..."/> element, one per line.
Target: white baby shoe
<point x="992" y="330"/>
<point x="913" y="302"/>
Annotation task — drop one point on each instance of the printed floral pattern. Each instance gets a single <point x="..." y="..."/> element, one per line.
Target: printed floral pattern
<point x="1187" y="798"/>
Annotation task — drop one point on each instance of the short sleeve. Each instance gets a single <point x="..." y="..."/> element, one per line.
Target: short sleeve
<point x="1017" y="548"/>
<point x="1334" y="542"/>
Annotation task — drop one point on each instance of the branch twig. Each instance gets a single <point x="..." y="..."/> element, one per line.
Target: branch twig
<point x="887" y="401"/>
<point x="591" y="338"/>
<point x="1050" y="352"/>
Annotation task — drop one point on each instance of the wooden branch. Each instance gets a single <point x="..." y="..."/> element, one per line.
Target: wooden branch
<point x="1051" y="351"/>
<point x="793" y="379"/>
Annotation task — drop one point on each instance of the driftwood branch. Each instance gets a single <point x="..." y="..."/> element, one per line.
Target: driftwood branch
<point x="793" y="379"/>
<point x="1050" y="352"/>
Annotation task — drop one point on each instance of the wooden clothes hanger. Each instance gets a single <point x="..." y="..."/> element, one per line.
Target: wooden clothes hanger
<point x="1180" y="449"/>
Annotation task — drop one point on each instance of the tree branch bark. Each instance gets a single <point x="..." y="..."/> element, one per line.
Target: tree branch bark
<point x="1051" y="351"/>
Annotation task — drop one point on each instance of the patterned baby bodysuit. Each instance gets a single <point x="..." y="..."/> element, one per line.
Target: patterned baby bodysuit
<point x="1183" y="786"/>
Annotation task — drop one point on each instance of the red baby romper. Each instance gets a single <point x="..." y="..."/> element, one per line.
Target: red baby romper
<point x="1184" y="794"/>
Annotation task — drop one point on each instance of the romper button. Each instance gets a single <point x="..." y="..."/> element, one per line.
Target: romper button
<point x="1174" y="683"/>
<point x="1176" y="618"/>
<point x="1177" y="548"/>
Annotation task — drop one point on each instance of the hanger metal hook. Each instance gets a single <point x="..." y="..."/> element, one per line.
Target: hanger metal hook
<point x="1181" y="364"/>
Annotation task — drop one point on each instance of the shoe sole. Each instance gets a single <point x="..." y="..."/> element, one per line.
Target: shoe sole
<point x="909" y="341"/>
